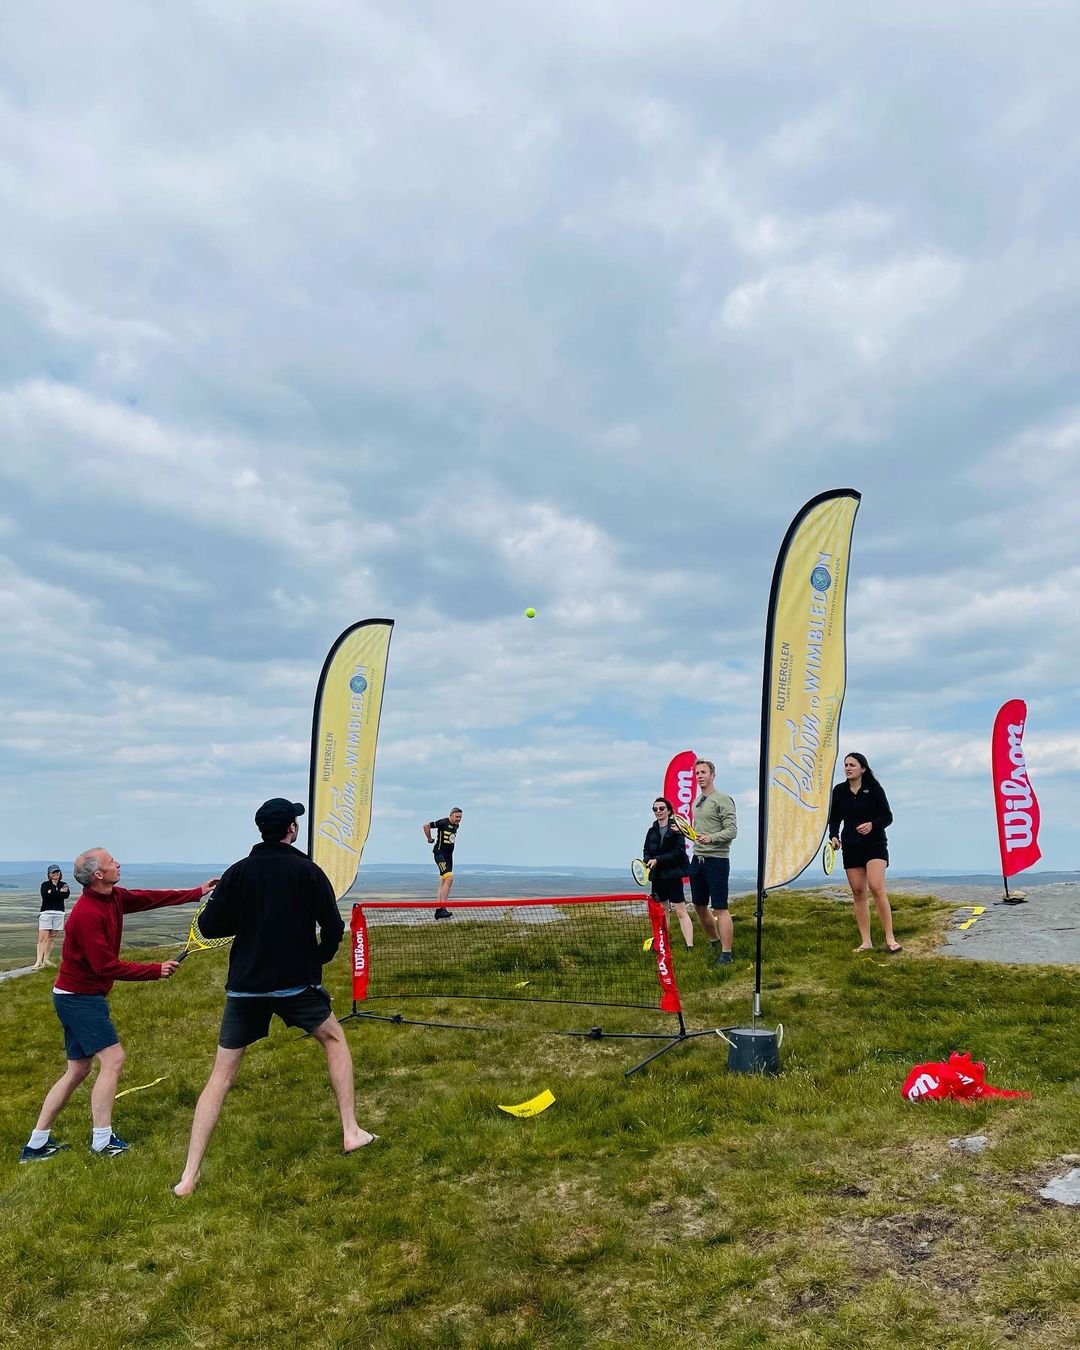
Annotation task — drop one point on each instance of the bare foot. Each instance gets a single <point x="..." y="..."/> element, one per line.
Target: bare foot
<point x="868" y="948"/>
<point x="358" y="1140"/>
<point x="185" y="1185"/>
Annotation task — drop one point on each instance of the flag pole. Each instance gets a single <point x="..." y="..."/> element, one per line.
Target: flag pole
<point x="763" y="764"/>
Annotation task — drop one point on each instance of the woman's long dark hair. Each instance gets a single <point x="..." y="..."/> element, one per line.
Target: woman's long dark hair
<point x="867" y="772"/>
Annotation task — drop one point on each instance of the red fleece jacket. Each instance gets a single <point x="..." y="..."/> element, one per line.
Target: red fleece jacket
<point x="90" y="961"/>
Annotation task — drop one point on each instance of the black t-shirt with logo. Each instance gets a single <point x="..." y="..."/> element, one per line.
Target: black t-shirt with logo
<point x="445" y="834"/>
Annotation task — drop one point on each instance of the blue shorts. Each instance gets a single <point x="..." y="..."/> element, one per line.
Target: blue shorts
<point x="709" y="881"/>
<point x="87" y="1025"/>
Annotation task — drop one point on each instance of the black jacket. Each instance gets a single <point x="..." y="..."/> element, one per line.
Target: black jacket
<point x="671" y="859"/>
<point x="53" y="897"/>
<point x="855" y="808"/>
<point x="272" y="900"/>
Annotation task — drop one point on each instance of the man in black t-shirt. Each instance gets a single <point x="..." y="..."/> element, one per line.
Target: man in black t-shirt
<point x="443" y="852"/>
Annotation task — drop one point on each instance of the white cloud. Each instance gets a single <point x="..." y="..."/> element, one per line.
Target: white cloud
<point x="318" y="311"/>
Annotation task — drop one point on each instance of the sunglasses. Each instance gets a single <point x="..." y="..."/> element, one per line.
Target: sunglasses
<point x="657" y="810"/>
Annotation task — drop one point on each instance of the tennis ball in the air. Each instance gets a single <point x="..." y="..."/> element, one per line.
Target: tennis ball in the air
<point x="530" y="613"/>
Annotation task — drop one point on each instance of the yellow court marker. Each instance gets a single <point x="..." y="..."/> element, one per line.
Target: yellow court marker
<point x="142" y="1086"/>
<point x="646" y="946"/>
<point x="978" y="909"/>
<point x="967" y="923"/>
<point x="533" y="1107"/>
<point x="522" y="983"/>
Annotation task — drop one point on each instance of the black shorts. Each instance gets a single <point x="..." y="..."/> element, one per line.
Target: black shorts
<point x="246" y="1020"/>
<point x="857" y="853"/>
<point x="445" y="863"/>
<point x="709" y="881"/>
<point x="668" y="890"/>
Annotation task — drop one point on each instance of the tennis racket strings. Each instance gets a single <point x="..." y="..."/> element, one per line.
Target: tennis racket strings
<point x="197" y="941"/>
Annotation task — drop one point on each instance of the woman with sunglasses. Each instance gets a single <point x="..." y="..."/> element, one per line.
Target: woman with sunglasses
<point x="859" y="805"/>
<point x="664" y="854"/>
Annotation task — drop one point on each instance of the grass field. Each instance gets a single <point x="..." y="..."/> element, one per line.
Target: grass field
<point x="682" y="1207"/>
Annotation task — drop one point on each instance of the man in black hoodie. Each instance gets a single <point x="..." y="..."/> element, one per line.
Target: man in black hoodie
<point x="271" y="902"/>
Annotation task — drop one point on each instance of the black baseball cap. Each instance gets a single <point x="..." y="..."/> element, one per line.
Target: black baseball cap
<point x="276" y="815"/>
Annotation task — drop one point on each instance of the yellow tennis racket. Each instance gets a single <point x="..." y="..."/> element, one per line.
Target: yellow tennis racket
<point x="682" y="824"/>
<point x="197" y="942"/>
<point x="828" y="858"/>
<point x="639" y="872"/>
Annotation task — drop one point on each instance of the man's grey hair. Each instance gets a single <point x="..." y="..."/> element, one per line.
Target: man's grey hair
<point x="86" y="864"/>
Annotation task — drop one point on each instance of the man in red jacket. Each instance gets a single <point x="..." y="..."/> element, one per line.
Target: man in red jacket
<point x="89" y="965"/>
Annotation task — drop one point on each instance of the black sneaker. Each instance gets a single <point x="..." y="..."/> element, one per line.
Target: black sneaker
<point x="724" y="959"/>
<point x="112" y="1148"/>
<point x="442" y="913"/>
<point x="48" y="1148"/>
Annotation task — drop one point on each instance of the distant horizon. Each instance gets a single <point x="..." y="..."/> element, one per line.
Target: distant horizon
<point x="17" y="866"/>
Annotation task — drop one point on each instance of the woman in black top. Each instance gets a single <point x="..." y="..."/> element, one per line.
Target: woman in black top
<point x="54" y="891"/>
<point x="664" y="854"/>
<point x="860" y="805"/>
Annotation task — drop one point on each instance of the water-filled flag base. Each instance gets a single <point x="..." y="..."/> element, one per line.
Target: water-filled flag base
<point x="753" y="1050"/>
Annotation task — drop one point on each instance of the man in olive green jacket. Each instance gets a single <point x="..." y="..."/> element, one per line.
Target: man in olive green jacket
<point x="714" y="821"/>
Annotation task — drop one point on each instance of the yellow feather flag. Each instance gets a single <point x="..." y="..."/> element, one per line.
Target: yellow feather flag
<point x="803" y="688"/>
<point x="344" y="734"/>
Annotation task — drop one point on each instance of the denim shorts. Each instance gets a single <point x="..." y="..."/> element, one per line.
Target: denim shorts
<point x="87" y="1025"/>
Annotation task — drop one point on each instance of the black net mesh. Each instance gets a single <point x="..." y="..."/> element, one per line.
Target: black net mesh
<point x="597" y="952"/>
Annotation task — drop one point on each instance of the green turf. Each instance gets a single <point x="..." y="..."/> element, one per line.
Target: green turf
<point x="682" y="1207"/>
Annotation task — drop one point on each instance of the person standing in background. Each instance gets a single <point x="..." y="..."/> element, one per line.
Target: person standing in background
<point x="443" y="852"/>
<point x="859" y="804"/>
<point x="710" y="867"/>
<point x="664" y="854"/>
<point x="54" y="894"/>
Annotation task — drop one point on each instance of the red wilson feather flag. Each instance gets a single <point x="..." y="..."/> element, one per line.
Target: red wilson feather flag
<point x="1014" y="801"/>
<point x="679" y="785"/>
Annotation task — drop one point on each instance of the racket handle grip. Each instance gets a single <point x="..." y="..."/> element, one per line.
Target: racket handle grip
<point x="182" y="957"/>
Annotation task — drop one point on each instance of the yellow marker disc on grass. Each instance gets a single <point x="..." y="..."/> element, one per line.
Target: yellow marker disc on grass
<point x="532" y="1107"/>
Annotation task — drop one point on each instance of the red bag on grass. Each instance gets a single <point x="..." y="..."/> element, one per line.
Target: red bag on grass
<point x="960" y="1079"/>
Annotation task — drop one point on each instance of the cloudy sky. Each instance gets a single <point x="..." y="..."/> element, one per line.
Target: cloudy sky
<point x="313" y="311"/>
